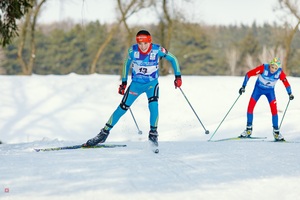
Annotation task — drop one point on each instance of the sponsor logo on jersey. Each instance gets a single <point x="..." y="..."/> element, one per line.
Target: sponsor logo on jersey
<point x="133" y="93"/>
<point x="136" y="54"/>
<point x="152" y="56"/>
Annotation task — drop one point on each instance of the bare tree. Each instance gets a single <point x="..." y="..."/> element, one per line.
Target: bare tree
<point x="269" y="53"/>
<point x="265" y="55"/>
<point x="2" y="58"/>
<point x="167" y="24"/>
<point x="168" y="15"/>
<point x="126" y="10"/>
<point x="28" y="28"/>
<point x="166" y="29"/>
<point x="250" y="61"/>
<point x="102" y="47"/>
<point x="290" y="33"/>
<point x="129" y="8"/>
<point x="232" y="57"/>
<point x="293" y="8"/>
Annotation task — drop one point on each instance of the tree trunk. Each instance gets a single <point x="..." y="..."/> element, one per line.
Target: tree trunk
<point x="288" y="42"/>
<point x="294" y="9"/>
<point x="21" y="45"/>
<point x="32" y="14"/>
<point x="126" y="11"/>
<point x="165" y="37"/>
<point x="102" y="47"/>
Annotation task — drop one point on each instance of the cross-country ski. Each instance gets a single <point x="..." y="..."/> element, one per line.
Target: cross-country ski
<point x="80" y="147"/>
<point x="239" y="138"/>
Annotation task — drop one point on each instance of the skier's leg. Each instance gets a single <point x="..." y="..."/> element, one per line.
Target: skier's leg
<point x="273" y="106"/>
<point x="251" y="105"/>
<point x="127" y="100"/>
<point x="153" y="95"/>
<point x="129" y="97"/>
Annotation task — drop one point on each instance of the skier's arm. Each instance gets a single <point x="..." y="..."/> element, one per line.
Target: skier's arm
<point x="171" y="58"/>
<point x="174" y="62"/>
<point x="285" y="82"/>
<point x="253" y="72"/>
<point x="126" y="65"/>
<point x="125" y="71"/>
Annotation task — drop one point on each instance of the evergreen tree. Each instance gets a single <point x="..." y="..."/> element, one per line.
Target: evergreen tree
<point x="11" y="10"/>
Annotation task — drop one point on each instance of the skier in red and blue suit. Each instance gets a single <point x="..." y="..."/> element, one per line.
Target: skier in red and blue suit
<point x="268" y="75"/>
<point x="143" y="60"/>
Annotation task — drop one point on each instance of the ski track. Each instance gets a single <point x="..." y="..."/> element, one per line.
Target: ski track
<point x="51" y="111"/>
<point x="182" y="170"/>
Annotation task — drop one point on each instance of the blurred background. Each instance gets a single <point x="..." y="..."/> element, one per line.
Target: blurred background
<point x="209" y="37"/>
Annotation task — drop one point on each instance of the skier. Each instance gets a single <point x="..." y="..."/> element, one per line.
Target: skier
<point x="143" y="58"/>
<point x="268" y="74"/>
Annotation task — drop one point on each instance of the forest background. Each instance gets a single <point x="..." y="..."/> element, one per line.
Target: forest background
<point x="93" y="47"/>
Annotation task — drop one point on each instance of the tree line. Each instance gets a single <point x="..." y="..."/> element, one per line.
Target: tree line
<point x="67" y="47"/>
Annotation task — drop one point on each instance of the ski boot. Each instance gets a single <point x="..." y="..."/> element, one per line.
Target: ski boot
<point x="247" y="133"/>
<point x="100" y="138"/>
<point x="153" y="138"/>
<point x="277" y="135"/>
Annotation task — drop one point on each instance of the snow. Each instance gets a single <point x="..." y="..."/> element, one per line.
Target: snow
<point x="50" y="111"/>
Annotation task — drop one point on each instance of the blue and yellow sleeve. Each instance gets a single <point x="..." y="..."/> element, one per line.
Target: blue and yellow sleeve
<point x="172" y="59"/>
<point x="126" y="65"/>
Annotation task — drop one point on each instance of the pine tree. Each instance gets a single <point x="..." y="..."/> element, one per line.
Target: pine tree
<point x="11" y="10"/>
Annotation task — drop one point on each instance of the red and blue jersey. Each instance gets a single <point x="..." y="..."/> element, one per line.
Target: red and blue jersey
<point x="266" y="79"/>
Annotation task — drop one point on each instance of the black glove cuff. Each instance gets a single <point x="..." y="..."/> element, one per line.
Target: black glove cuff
<point x="177" y="76"/>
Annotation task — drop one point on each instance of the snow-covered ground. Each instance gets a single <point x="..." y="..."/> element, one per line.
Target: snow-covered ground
<point x="51" y="111"/>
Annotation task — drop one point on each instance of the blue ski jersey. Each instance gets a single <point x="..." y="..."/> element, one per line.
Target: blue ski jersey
<point x="145" y="67"/>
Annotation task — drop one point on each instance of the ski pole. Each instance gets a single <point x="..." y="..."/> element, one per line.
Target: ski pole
<point x="206" y="131"/>
<point x="284" y="112"/>
<point x="139" y="131"/>
<point x="224" y="118"/>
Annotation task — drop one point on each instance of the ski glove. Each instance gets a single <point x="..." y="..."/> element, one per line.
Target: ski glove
<point x="291" y="96"/>
<point x="122" y="87"/>
<point x="242" y="90"/>
<point x="177" y="81"/>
